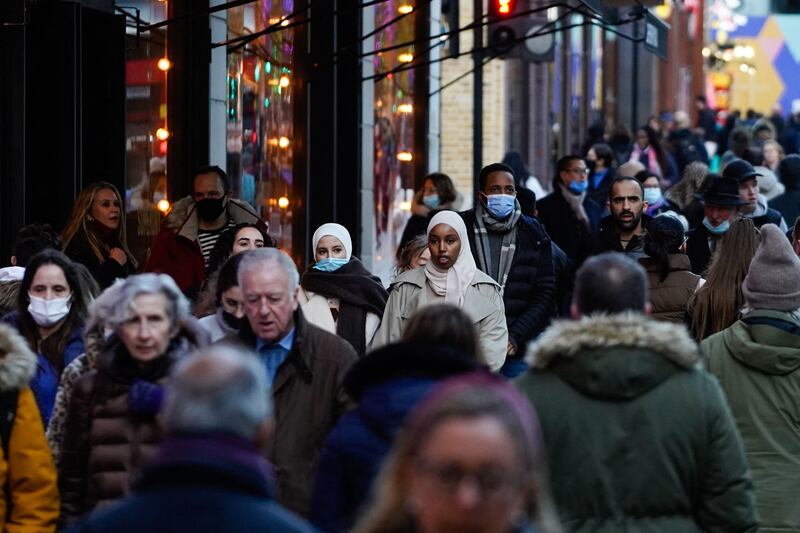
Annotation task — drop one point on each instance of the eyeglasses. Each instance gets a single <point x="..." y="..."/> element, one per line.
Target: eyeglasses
<point x="448" y="477"/>
<point x="578" y="170"/>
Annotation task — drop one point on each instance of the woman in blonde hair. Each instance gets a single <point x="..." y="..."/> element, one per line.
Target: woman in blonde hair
<point x="717" y="304"/>
<point x="469" y="458"/>
<point x="95" y="234"/>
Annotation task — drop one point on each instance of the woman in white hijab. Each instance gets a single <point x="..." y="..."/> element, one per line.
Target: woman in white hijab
<point x="451" y="276"/>
<point x="337" y="293"/>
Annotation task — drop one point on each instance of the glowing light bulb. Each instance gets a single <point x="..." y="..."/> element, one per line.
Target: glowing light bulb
<point x="405" y="9"/>
<point x="283" y="202"/>
<point x="163" y="206"/>
<point x="405" y="156"/>
<point x="405" y="108"/>
<point x="405" y="58"/>
<point x="164" y="64"/>
<point x="162" y="134"/>
<point x="284" y="81"/>
<point x="283" y="142"/>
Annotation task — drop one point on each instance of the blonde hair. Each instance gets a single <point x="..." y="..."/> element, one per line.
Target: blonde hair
<point x="78" y="220"/>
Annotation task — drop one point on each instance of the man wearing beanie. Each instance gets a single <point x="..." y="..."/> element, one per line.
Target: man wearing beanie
<point x="757" y="362"/>
<point x="788" y="203"/>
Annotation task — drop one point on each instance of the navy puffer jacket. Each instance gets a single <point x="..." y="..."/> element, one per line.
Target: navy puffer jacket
<point x="529" y="294"/>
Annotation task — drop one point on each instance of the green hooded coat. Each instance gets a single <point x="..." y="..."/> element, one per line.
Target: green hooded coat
<point x="638" y="438"/>
<point x="757" y="362"/>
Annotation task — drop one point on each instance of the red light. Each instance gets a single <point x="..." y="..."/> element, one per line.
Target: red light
<point x="162" y="147"/>
<point x="503" y="6"/>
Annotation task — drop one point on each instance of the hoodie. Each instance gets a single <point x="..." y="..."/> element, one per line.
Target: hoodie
<point x="763" y="214"/>
<point x="757" y="362"/>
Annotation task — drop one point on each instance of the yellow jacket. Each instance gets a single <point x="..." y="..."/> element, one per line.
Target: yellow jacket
<point x="28" y="471"/>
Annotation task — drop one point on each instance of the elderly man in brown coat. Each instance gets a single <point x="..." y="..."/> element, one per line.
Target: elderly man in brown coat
<point x="304" y="364"/>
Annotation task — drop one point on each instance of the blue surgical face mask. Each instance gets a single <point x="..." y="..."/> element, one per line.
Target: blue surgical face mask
<point x="500" y="206"/>
<point x="431" y="201"/>
<point x="652" y="195"/>
<point x="719" y="230"/>
<point x="578" y="187"/>
<point x="330" y="264"/>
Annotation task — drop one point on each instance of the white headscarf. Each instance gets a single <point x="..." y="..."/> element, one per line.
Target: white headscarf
<point x="334" y="230"/>
<point x="452" y="283"/>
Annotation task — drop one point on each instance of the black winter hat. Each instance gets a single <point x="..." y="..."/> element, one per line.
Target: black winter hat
<point x="740" y="170"/>
<point x="721" y="191"/>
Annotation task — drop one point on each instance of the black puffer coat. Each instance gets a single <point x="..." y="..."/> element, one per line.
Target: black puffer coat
<point x="529" y="294"/>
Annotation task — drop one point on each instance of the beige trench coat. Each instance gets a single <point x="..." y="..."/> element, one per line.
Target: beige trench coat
<point x="482" y="302"/>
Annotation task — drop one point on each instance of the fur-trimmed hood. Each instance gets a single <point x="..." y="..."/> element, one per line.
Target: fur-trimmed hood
<point x="618" y="355"/>
<point x="17" y="361"/>
<point x="183" y="216"/>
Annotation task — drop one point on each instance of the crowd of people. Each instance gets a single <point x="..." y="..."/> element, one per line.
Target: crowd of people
<point x="620" y="354"/>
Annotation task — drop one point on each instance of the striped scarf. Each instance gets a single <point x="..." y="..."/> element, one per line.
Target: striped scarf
<point x="484" y="223"/>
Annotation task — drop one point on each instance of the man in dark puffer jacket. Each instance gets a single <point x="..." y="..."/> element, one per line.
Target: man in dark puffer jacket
<point x="515" y="251"/>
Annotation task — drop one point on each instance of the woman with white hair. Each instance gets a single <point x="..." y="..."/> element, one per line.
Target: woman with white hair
<point x="110" y="431"/>
<point x="338" y="294"/>
<point x="451" y="276"/>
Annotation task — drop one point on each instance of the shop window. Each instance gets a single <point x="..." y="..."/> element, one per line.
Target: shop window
<point x="260" y="131"/>
<point x="394" y="131"/>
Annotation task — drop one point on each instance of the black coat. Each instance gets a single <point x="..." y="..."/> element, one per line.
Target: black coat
<point x="530" y="287"/>
<point x="561" y="224"/>
<point x="788" y="204"/>
<point x="104" y="273"/>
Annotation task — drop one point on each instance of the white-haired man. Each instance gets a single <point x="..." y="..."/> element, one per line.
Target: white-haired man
<point x="304" y="364"/>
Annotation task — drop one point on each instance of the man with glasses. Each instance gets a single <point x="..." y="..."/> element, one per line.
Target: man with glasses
<point x="623" y="230"/>
<point x="193" y="227"/>
<point x="569" y="215"/>
<point x="515" y="251"/>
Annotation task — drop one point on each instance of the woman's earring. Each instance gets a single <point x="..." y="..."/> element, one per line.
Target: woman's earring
<point x="90" y="218"/>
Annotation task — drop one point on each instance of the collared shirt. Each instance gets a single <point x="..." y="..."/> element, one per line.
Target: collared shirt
<point x="273" y="355"/>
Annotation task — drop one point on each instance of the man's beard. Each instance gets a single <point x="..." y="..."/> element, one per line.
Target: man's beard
<point x="628" y="225"/>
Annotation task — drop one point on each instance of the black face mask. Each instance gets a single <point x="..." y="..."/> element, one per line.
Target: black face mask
<point x="232" y="321"/>
<point x="209" y="209"/>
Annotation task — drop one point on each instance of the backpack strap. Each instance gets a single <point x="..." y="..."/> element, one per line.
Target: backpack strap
<point x="8" y="412"/>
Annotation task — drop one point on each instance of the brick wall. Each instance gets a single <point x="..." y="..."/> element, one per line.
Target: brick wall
<point x="456" y="109"/>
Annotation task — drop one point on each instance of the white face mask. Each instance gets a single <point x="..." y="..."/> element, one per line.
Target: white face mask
<point x="48" y="312"/>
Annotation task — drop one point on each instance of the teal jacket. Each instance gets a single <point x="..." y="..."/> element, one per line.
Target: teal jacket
<point x="757" y="362"/>
<point x="638" y="437"/>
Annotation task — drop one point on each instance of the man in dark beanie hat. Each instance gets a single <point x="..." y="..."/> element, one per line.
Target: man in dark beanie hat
<point x="721" y="205"/>
<point x="788" y="203"/>
<point x="755" y="205"/>
<point x="757" y="362"/>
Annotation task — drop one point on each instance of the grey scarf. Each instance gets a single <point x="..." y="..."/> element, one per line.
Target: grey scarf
<point x="484" y="223"/>
<point x="576" y="204"/>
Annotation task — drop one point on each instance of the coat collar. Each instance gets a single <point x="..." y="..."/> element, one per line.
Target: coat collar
<point x="183" y="217"/>
<point x="572" y="338"/>
<point x="299" y="358"/>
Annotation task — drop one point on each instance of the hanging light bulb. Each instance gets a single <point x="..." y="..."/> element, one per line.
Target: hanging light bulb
<point x="405" y="9"/>
<point x="163" y="205"/>
<point x="164" y="64"/>
<point x="284" y="82"/>
<point x="162" y="134"/>
<point x="283" y="202"/>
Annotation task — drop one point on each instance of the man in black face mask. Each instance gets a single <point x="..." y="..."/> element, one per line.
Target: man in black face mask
<point x="193" y="227"/>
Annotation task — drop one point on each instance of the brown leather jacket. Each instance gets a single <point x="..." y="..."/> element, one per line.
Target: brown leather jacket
<point x="105" y="444"/>
<point x="670" y="298"/>
<point x="308" y="400"/>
